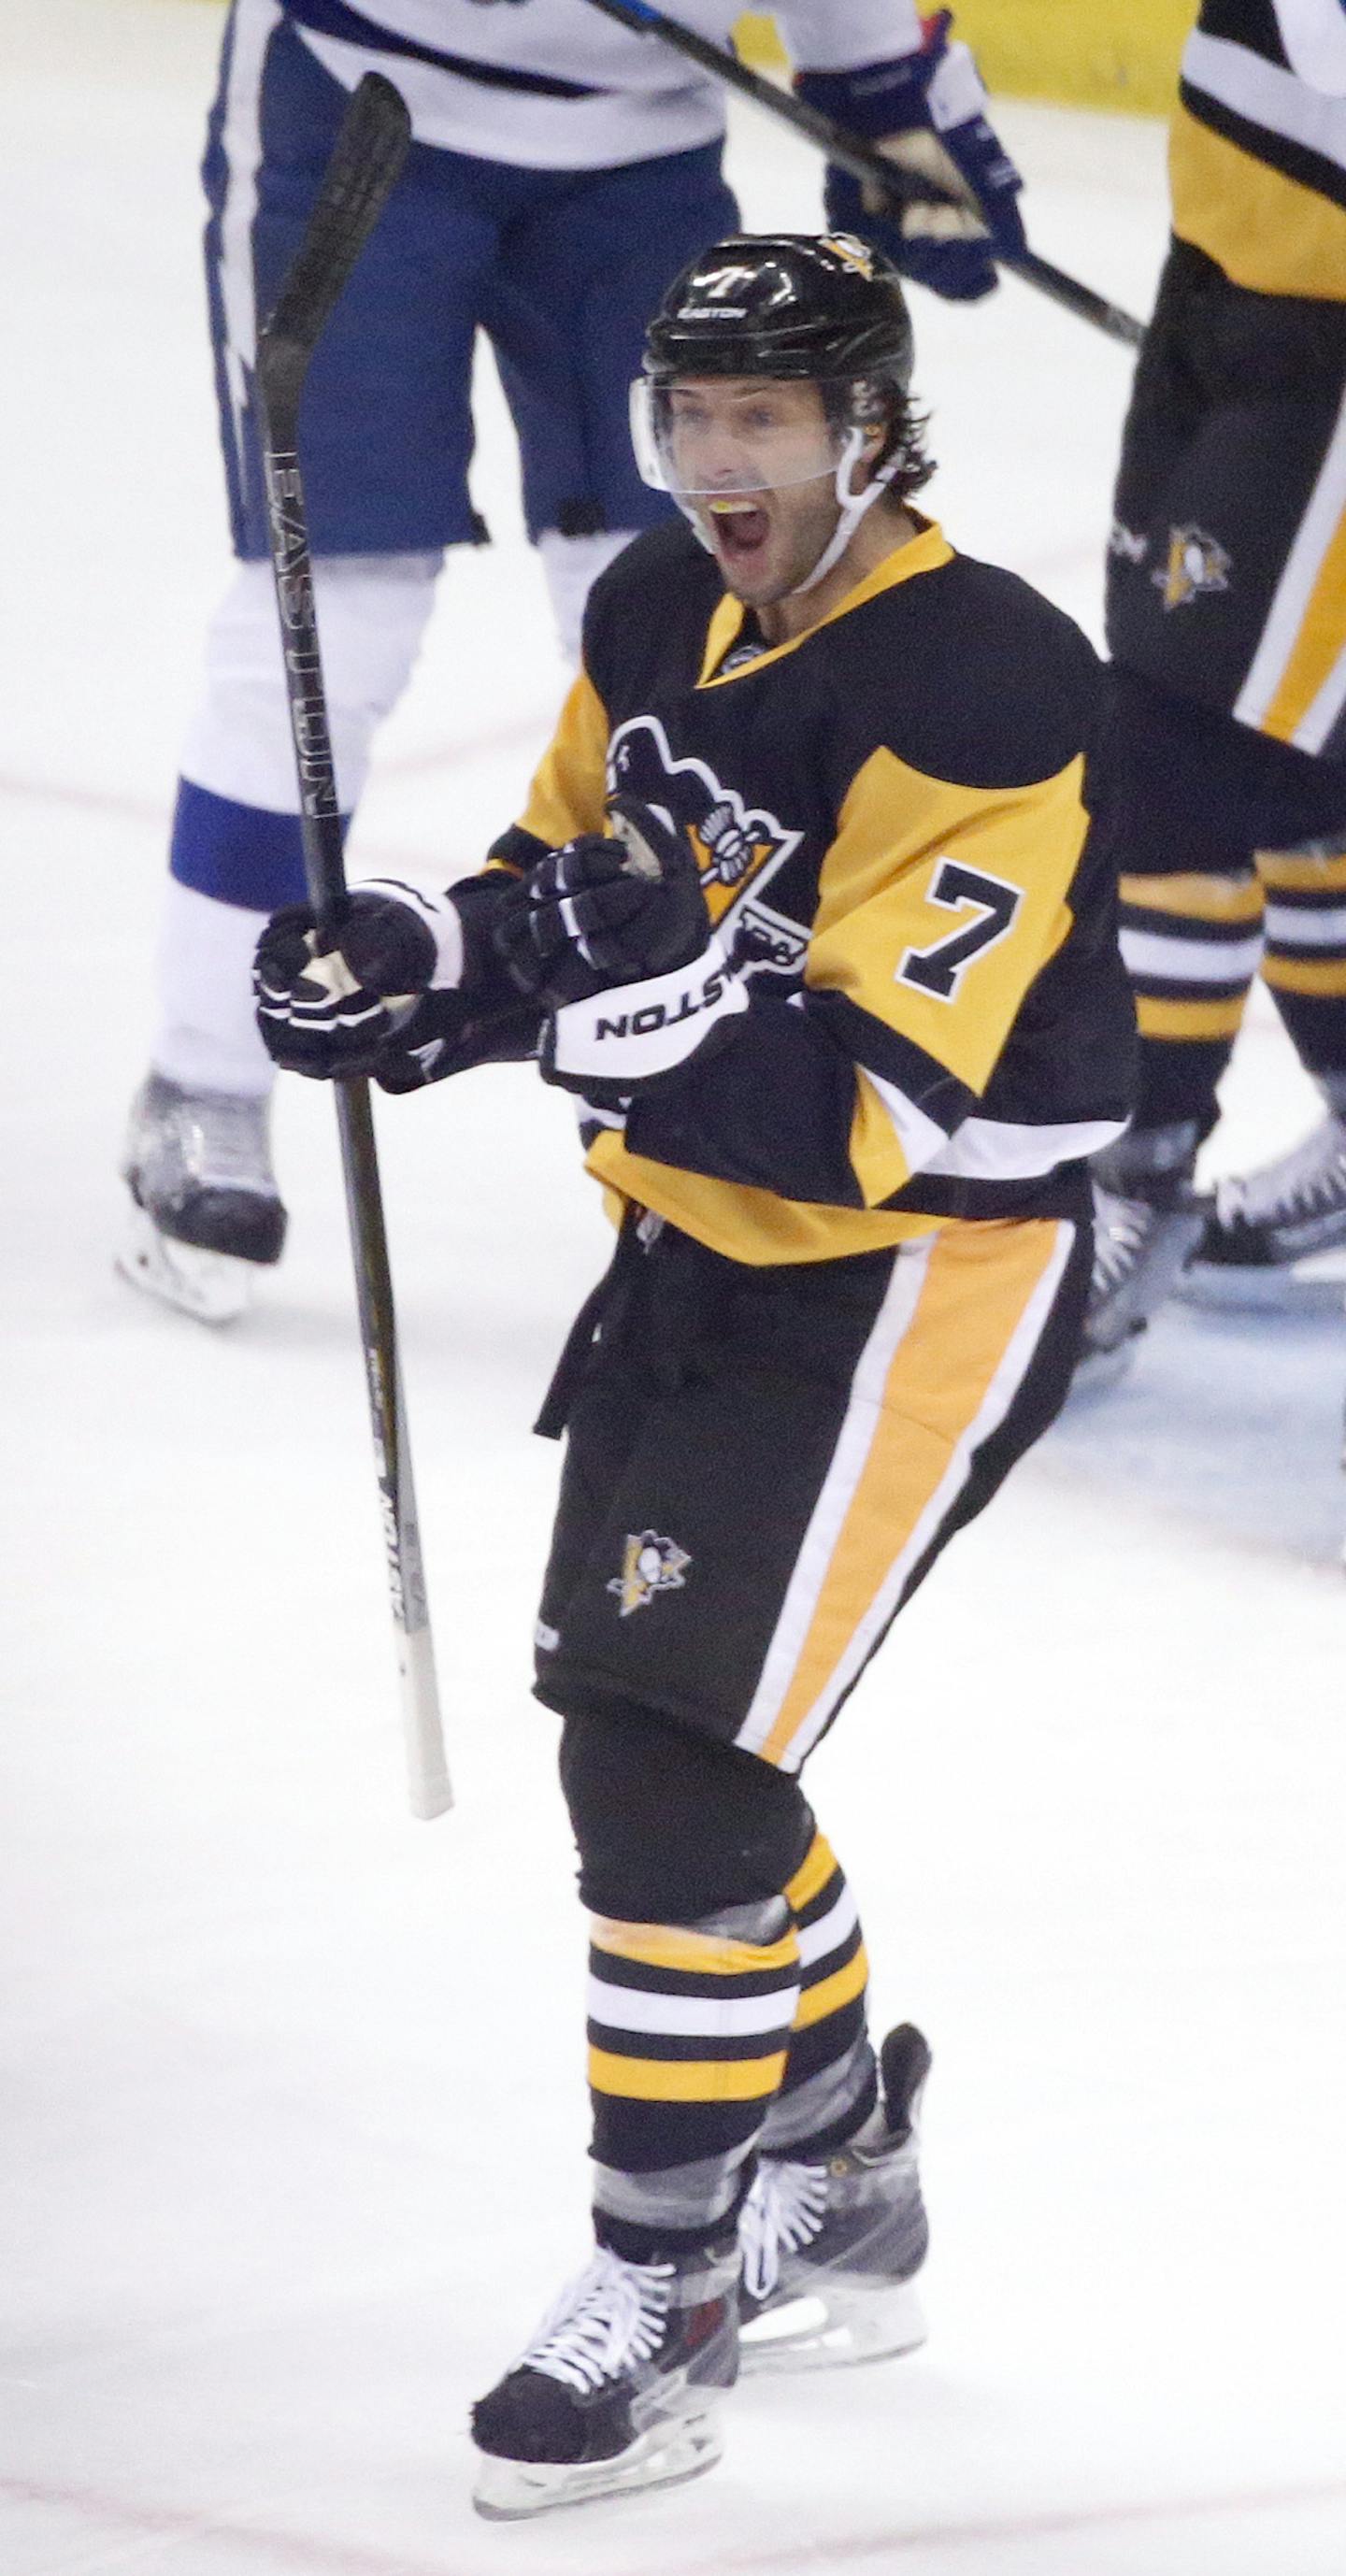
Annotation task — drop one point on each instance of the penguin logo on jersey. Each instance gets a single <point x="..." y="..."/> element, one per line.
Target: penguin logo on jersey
<point x="729" y="851"/>
<point x="737" y="846"/>
<point x="1196" y="566"/>
<point x="650" y="1564"/>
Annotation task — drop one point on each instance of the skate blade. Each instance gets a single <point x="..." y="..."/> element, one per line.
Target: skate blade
<point x="834" y="2330"/>
<point x="211" y="1287"/>
<point x="1316" y="1284"/>
<point x="515" y="2490"/>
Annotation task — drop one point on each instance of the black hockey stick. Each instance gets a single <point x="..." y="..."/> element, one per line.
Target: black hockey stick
<point x="363" y="170"/>
<point x="900" y="187"/>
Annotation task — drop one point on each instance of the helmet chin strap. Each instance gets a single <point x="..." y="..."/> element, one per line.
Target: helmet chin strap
<point x="851" y="507"/>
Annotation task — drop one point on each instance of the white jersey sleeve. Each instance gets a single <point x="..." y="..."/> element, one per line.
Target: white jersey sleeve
<point x="554" y="85"/>
<point x="835" y="35"/>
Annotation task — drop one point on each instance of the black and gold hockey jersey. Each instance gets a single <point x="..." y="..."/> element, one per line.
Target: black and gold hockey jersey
<point x="1258" y="150"/>
<point x="887" y="813"/>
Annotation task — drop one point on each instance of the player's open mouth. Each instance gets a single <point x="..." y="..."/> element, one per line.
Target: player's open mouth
<point x="740" y="528"/>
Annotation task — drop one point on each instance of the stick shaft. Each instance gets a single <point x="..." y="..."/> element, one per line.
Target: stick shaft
<point x="861" y="160"/>
<point x="363" y="169"/>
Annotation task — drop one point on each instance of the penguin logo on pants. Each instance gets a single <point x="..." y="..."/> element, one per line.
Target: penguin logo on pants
<point x="1196" y="565"/>
<point x="650" y="1564"/>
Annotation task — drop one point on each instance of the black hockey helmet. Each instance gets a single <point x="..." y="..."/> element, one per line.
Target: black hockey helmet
<point x="810" y="308"/>
<point x="820" y="305"/>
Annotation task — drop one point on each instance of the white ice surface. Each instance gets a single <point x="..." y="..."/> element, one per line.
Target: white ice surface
<point x="292" y="2088"/>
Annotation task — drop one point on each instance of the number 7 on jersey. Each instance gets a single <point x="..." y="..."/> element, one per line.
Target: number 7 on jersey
<point x="939" y="969"/>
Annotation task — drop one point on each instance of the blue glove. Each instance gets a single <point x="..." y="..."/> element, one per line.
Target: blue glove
<point x="925" y="112"/>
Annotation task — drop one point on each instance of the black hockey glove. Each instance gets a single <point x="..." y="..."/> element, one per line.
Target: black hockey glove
<point x="332" y="1010"/>
<point x="616" y="940"/>
<point x="606" y="909"/>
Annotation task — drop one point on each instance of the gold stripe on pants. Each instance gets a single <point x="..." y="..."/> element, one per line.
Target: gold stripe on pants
<point x="957" y="1334"/>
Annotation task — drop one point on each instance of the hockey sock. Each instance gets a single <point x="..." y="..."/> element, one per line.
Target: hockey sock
<point x="572" y="562"/>
<point x="206" y="1037"/>
<point x="237" y="847"/>
<point x="688" y="2031"/>
<point x="1192" y="944"/>
<point x="1306" y="952"/>
<point x="238" y="822"/>
<point x="830" y="2084"/>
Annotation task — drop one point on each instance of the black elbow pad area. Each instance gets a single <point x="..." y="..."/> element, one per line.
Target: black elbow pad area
<point x="772" y="1110"/>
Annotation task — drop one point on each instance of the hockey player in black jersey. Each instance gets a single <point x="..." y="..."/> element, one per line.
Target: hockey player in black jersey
<point x="1222" y="774"/>
<point x="802" y="908"/>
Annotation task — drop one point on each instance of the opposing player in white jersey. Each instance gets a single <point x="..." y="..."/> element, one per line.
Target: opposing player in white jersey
<point x="561" y="171"/>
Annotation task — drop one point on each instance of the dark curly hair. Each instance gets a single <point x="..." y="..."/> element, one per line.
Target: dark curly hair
<point x="906" y="438"/>
<point x="879" y="397"/>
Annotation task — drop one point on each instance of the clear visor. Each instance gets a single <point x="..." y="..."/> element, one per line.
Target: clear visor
<point x="703" y="439"/>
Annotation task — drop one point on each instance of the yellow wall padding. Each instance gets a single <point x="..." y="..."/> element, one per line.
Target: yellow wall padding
<point x="1091" y="53"/>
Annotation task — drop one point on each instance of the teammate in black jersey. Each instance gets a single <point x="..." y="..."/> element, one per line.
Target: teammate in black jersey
<point x="801" y="906"/>
<point x="1224" y="774"/>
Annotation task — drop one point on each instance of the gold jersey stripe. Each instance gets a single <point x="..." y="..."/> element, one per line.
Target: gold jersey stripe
<point x="653" y="2079"/>
<point x="699" y="1954"/>
<point x="1195" y="898"/>
<point x="830" y="1993"/>
<point x="1316" y="650"/>
<point x="1264" y="230"/>
<point x="568" y="792"/>
<point x="1189" y="1019"/>
<point x="978" y="1284"/>
<point x="1299" y="872"/>
<point x="747" y="1224"/>
<point x="1325" y="976"/>
<point x="818" y="1865"/>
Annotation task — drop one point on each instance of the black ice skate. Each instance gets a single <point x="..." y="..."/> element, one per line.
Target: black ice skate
<point x="207" y="1211"/>
<point x="1277" y="1237"/>
<point x="617" y="2391"/>
<point x="1147" y="1218"/>
<point x="831" y="2250"/>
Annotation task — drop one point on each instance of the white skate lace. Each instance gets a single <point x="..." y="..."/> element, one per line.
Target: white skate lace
<point x="1311" y="1177"/>
<point x="611" y="2315"/>
<point x="1120" y="1234"/>
<point x="783" y="2212"/>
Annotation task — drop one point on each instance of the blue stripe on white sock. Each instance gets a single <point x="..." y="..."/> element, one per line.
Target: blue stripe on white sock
<point x="240" y="854"/>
